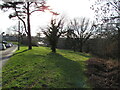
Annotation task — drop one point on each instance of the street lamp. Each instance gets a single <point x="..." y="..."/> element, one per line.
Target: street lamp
<point x="2" y="36"/>
<point x="18" y="35"/>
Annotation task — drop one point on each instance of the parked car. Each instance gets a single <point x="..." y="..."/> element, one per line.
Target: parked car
<point x="4" y="42"/>
<point x="8" y="45"/>
<point x="2" y="46"/>
<point x="11" y="44"/>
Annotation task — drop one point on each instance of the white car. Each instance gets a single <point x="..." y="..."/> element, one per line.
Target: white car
<point x="8" y="45"/>
<point x="2" y="46"/>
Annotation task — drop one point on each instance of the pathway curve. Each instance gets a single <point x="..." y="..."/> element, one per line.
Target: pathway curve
<point x="6" y="54"/>
<point x="4" y="57"/>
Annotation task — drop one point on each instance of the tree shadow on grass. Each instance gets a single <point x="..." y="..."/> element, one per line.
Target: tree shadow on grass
<point x="6" y="57"/>
<point x="20" y="52"/>
<point x="82" y="54"/>
<point x="71" y="71"/>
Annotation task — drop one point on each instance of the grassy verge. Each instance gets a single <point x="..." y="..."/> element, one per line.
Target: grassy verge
<point x="15" y="43"/>
<point x="39" y="68"/>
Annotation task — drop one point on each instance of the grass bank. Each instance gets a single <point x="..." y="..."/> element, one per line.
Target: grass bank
<point x="39" y="68"/>
<point x="15" y="43"/>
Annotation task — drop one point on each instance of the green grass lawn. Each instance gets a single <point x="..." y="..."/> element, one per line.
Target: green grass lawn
<point x="39" y="68"/>
<point x="15" y="43"/>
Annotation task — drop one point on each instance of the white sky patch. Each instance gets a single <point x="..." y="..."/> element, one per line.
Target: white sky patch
<point x="67" y="8"/>
<point x="40" y="19"/>
<point x="73" y="8"/>
<point x="5" y="22"/>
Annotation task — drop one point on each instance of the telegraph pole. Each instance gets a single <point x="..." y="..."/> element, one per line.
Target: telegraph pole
<point x="18" y="35"/>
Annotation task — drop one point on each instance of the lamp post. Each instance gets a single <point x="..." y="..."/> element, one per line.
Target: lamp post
<point x="18" y="35"/>
<point x="1" y="38"/>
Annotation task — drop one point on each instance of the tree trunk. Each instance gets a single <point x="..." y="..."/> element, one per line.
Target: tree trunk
<point x="118" y="43"/>
<point x="53" y="46"/>
<point x="29" y="29"/>
<point x="80" y="49"/>
<point x="74" y="48"/>
<point x="81" y="46"/>
<point x="53" y="49"/>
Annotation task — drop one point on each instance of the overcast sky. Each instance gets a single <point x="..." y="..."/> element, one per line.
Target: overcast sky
<point x="67" y="8"/>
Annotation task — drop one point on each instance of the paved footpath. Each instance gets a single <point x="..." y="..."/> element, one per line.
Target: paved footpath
<point x="4" y="57"/>
<point x="6" y="54"/>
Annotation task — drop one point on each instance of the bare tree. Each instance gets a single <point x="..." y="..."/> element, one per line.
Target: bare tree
<point x="53" y="32"/>
<point x="108" y="11"/>
<point x="23" y="11"/>
<point x="38" y="35"/>
<point x="70" y="39"/>
<point x="82" y="31"/>
<point x="105" y="10"/>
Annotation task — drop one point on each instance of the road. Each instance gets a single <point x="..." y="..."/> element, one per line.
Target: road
<point x="6" y="54"/>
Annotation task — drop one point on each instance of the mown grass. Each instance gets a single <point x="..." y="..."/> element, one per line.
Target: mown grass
<point x="40" y="68"/>
<point x="15" y="43"/>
